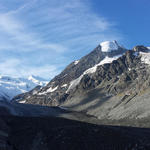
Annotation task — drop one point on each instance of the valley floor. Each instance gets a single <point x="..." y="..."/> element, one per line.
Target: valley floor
<point x="54" y="133"/>
<point x="31" y="127"/>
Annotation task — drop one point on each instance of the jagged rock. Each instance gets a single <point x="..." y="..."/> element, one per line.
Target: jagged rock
<point x="140" y="48"/>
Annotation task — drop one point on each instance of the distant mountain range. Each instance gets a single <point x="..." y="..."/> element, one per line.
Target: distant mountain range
<point x="12" y="86"/>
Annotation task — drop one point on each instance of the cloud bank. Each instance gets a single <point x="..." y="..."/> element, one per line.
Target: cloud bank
<point x="42" y="37"/>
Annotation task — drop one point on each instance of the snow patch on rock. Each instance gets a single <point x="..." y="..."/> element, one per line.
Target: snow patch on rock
<point x="64" y="85"/>
<point x="108" y="60"/>
<point x="145" y="57"/>
<point x="74" y="83"/>
<point x="76" y="62"/>
<point x="22" y="102"/>
<point x="50" y="90"/>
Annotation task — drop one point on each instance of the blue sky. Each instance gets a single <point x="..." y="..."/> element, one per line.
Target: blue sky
<point x="41" y="37"/>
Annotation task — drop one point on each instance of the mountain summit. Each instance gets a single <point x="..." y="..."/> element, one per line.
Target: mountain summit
<point x="109" y="46"/>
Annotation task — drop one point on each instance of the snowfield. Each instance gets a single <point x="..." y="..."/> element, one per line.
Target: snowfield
<point x="12" y="86"/>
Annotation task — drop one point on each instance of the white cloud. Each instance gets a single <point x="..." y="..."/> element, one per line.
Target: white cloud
<point x="17" y="67"/>
<point x="46" y="71"/>
<point x="17" y="33"/>
<point x="47" y="31"/>
<point x="9" y="67"/>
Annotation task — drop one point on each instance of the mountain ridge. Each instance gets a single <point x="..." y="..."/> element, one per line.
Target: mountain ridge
<point x="75" y="70"/>
<point x="101" y="87"/>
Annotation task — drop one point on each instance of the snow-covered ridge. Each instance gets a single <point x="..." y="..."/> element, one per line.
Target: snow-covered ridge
<point x="12" y="86"/>
<point x="91" y="70"/>
<point x="109" y="46"/>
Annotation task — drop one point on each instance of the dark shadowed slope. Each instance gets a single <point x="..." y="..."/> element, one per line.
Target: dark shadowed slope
<point x="27" y="127"/>
<point x="45" y="133"/>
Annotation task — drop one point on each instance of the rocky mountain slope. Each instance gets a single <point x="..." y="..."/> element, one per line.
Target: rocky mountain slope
<point x="57" y="89"/>
<point x="12" y="86"/>
<point x="110" y="82"/>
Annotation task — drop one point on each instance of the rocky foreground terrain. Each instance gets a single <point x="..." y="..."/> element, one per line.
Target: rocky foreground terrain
<point x="40" y="130"/>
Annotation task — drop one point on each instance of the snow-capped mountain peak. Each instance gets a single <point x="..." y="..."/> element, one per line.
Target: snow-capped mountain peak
<point x="12" y="86"/>
<point x="71" y="77"/>
<point x="109" y="46"/>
